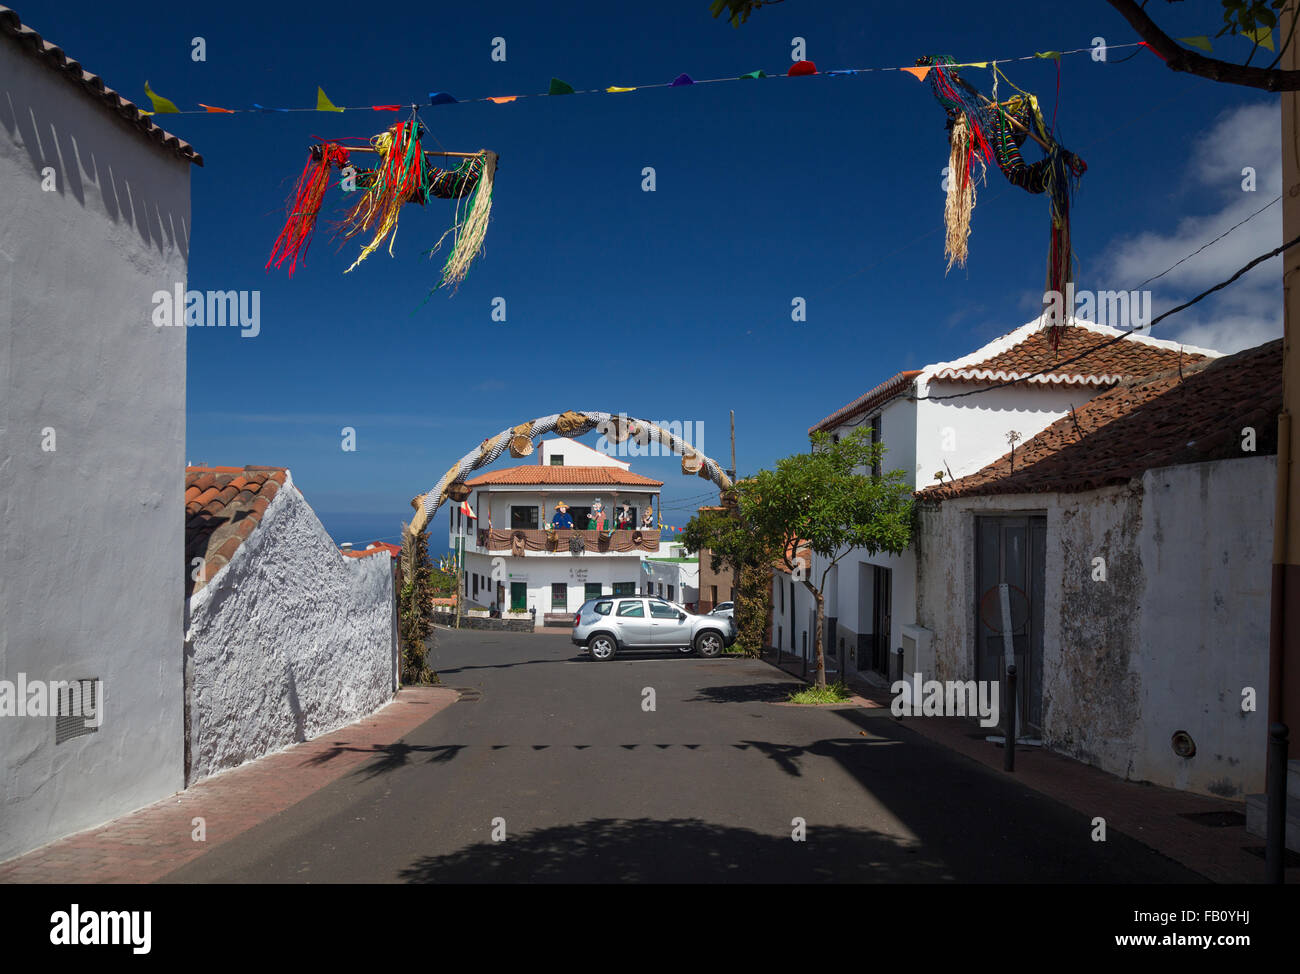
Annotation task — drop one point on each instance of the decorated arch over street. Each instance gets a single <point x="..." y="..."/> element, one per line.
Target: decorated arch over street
<point x="518" y="442"/>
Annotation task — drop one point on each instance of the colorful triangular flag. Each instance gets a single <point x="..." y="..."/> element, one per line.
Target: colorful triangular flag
<point x="323" y="103"/>
<point x="441" y="98"/>
<point x="559" y="87"/>
<point x="214" y="108"/>
<point x="161" y="105"/>
<point x="1262" y="36"/>
<point x="801" y="68"/>
<point x="502" y="99"/>
<point x="681" y="79"/>
<point x="753" y="74"/>
<point x="614" y="89"/>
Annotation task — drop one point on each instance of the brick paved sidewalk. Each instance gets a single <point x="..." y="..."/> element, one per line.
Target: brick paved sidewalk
<point x="147" y="844"/>
<point x="1153" y="815"/>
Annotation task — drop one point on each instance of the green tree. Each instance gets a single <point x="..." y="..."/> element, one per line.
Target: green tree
<point x="415" y="608"/>
<point x="817" y="500"/>
<point x="733" y="546"/>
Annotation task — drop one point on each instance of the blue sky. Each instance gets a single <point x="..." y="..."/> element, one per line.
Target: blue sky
<point x="673" y="304"/>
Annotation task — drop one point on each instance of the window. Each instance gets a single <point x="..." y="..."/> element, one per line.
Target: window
<point x="602" y="608"/>
<point x="625" y="588"/>
<point x="476" y="585"/>
<point x="662" y="610"/>
<point x="713" y="594"/>
<point x="523" y="518"/>
<point x="560" y="596"/>
<point x="590" y="591"/>
<point x="557" y="461"/>
<point x="670" y="593"/>
<point x="634" y="610"/>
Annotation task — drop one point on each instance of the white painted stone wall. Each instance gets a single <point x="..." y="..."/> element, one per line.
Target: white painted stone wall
<point x="290" y="640"/>
<point x="1207" y="632"/>
<point x="1166" y="643"/>
<point x="91" y="533"/>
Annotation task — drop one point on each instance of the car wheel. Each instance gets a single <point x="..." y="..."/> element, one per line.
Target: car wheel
<point x="708" y="643"/>
<point x="602" y="647"/>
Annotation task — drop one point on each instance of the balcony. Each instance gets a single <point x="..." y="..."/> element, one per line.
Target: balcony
<point x="526" y="541"/>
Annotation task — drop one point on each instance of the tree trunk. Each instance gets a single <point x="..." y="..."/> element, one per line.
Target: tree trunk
<point x="817" y="640"/>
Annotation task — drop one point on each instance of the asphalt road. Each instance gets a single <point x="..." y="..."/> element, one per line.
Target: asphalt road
<point x="588" y="786"/>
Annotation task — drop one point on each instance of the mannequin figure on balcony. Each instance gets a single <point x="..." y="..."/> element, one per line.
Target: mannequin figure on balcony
<point x="596" y="520"/>
<point x="624" y="519"/>
<point x="563" y="519"/>
<point x="648" y="518"/>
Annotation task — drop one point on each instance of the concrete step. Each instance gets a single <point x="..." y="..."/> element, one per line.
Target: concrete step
<point x="1257" y="819"/>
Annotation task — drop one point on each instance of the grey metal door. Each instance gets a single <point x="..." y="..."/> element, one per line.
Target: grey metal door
<point x="1012" y="549"/>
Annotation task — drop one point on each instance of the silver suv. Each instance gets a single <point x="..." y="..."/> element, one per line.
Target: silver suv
<point x="611" y="623"/>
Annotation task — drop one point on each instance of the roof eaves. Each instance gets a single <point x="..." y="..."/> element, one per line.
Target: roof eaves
<point x="92" y="84"/>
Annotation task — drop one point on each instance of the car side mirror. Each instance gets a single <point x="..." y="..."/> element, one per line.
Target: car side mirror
<point x="681" y="617"/>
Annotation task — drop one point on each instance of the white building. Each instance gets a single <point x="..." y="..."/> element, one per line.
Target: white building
<point x="94" y="220"/>
<point x="871" y="600"/>
<point x="516" y="559"/>
<point x="1135" y="537"/>
<point x="673" y="576"/>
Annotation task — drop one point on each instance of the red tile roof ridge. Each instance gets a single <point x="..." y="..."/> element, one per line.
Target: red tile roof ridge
<point x="878" y="395"/>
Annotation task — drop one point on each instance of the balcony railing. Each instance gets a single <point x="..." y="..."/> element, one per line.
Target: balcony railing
<point x="523" y="541"/>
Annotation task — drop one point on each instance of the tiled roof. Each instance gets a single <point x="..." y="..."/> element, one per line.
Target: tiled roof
<point x="802" y="554"/>
<point x="223" y="506"/>
<point x="869" y="400"/>
<point x="1101" y="359"/>
<point x="536" y="474"/>
<point x="1141" y="425"/>
<point x="92" y="84"/>
<point x="373" y="548"/>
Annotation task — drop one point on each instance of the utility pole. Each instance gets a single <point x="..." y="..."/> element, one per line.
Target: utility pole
<point x="732" y="472"/>
<point x="1284" y="626"/>
<point x="460" y="566"/>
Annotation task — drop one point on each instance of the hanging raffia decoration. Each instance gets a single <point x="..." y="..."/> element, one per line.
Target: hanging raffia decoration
<point x="961" y="194"/>
<point x="993" y="131"/>
<point x="399" y="179"/>
<point x="469" y="231"/>
<point x="305" y="205"/>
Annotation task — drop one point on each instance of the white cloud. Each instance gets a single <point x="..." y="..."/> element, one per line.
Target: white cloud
<point x="1248" y="311"/>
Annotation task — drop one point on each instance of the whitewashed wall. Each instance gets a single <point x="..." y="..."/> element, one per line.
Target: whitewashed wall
<point x="290" y="640"/>
<point x="91" y="533"/>
<point x="540" y="572"/>
<point x="683" y="576"/>
<point x="1166" y="643"/>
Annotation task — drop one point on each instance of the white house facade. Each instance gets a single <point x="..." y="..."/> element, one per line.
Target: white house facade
<point x="930" y="423"/>
<point x="521" y="556"/>
<point x="95" y="219"/>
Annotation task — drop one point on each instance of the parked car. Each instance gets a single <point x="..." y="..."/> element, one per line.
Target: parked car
<point x="727" y="609"/>
<point x="608" y="624"/>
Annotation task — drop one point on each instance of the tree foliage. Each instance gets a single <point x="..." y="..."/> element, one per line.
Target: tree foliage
<point x="415" y="610"/>
<point x="826" y="500"/>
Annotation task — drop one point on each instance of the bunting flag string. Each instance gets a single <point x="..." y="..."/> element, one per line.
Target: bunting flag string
<point x="1263" y="36"/>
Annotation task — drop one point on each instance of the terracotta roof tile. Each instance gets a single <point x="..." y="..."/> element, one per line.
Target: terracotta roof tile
<point x="223" y="506"/>
<point x="93" y="85"/>
<point x="869" y="400"/>
<point x="537" y="474"/>
<point x="1101" y="360"/>
<point x="1143" y="424"/>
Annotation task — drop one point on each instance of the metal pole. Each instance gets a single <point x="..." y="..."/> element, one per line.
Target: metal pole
<point x="1275" y="838"/>
<point x="732" y="471"/>
<point x="1009" y="755"/>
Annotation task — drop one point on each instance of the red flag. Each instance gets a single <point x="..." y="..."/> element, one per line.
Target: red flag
<point x="465" y="509"/>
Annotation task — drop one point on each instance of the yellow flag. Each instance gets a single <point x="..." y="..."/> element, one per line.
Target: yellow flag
<point x="1263" y="36"/>
<point x="1200" y="41"/>
<point x="1054" y="55"/>
<point x="323" y="103"/>
<point x="615" y="90"/>
<point x="160" y="104"/>
<point x="972" y="64"/>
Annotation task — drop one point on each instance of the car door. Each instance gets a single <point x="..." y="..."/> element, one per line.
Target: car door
<point x="667" y="627"/>
<point x="634" y="625"/>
